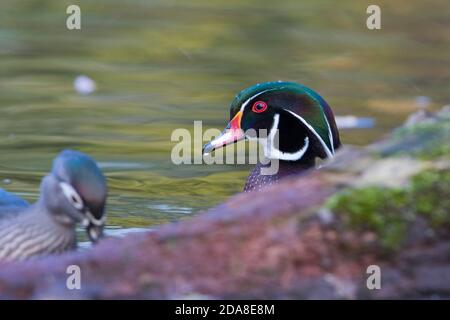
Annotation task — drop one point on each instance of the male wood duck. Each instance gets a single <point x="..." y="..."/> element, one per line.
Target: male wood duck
<point x="73" y="192"/>
<point x="299" y="123"/>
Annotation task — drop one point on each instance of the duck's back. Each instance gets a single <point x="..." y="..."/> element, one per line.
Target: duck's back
<point x="28" y="231"/>
<point x="10" y="204"/>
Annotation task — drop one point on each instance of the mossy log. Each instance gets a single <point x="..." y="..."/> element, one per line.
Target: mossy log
<point x="310" y="236"/>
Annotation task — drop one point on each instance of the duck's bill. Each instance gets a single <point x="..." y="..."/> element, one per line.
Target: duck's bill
<point x="94" y="232"/>
<point x="94" y="227"/>
<point x="227" y="137"/>
<point x="232" y="134"/>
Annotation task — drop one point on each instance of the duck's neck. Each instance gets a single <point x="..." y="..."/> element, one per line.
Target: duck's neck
<point x="256" y="180"/>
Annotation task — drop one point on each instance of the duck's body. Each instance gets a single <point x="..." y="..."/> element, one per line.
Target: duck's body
<point x="299" y="123"/>
<point x="256" y="180"/>
<point x="74" y="191"/>
<point x="33" y="232"/>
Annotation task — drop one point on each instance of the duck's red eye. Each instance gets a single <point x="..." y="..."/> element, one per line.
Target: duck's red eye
<point x="259" y="106"/>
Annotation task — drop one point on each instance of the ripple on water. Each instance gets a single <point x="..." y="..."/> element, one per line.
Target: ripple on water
<point x="113" y="231"/>
<point x="170" y="208"/>
<point x="110" y="165"/>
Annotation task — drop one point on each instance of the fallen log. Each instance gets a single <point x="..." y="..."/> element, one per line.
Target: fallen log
<point x="312" y="236"/>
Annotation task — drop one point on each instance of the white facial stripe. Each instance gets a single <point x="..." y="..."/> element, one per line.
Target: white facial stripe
<point x="253" y="97"/>
<point x="273" y="152"/>
<point x="71" y="195"/>
<point x="325" y="147"/>
<point x="97" y="222"/>
<point x="77" y="202"/>
<point x="277" y="154"/>
<point x="330" y="135"/>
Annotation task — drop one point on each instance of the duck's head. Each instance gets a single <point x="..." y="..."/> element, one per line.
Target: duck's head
<point x="298" y="122"/>
<point x="75" y="192"/>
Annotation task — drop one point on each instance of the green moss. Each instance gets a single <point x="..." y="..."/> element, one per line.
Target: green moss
<point x="373" y="208"/>
<point x="425" y="140"/>
<point x="388" y="212"/>
<point x="430" y="195"/>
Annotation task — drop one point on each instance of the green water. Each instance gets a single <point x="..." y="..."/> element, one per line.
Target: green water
<point x="160" y="65"/>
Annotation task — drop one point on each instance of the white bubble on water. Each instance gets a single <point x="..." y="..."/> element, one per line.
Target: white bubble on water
<point x="84" y="85"/>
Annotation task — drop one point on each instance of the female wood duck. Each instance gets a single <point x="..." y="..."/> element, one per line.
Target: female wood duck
<point x="73" y="192"/>
<point x="299" y="123"/>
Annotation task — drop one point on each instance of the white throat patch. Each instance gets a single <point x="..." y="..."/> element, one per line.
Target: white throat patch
<point x="271" y="149"/>
<point x="324" y="145"/>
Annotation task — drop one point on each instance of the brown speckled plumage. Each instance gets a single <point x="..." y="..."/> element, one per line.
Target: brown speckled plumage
<point x="256" y="180"/>
<point x="33" y="233"/>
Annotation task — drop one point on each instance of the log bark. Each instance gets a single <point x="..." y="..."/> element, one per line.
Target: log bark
<point x="278" y="243"/>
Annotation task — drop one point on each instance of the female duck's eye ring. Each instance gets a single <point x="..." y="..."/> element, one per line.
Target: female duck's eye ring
<point x="72" y="196"/>
<point x="259" y="106"/>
